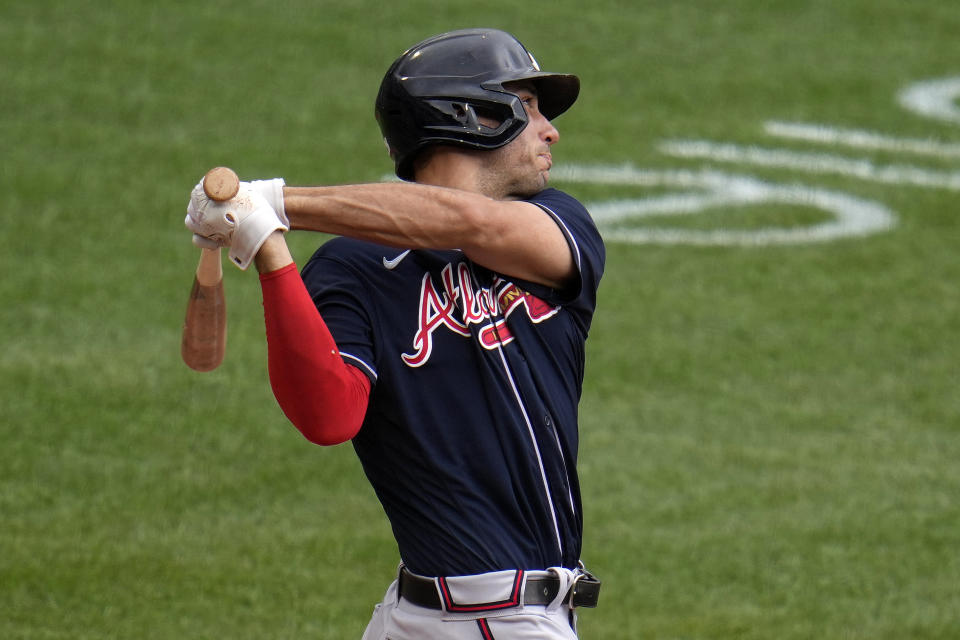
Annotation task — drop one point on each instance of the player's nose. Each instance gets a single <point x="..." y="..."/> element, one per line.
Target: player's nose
<point x="548" y="132"/>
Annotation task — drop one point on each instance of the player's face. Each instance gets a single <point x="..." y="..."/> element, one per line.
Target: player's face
<point x="522" y="168"/>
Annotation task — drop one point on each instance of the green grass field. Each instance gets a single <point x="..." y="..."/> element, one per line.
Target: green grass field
<point x="770" y="432"/>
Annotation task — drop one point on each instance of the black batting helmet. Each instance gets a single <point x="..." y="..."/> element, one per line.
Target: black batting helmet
<point x="435" y="91"/>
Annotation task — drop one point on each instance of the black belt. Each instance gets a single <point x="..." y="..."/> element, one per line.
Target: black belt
<point x="585" y="592"/>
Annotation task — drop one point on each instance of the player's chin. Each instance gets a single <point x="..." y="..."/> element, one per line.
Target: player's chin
<point x="529" y="188"/>
<point x="544" y="172"/>
<point x="530" y="183"/>
<point x="543" y="180"/>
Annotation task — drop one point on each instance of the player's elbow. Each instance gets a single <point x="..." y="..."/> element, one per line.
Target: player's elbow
<point x="326" y="430"/>
<point x="325" y="438"/>
<point x="326" y="405"/>
<point x="322" y="423"/>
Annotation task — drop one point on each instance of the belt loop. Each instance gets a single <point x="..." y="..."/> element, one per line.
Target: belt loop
<point x="399" y="581"/>
<point x="566" y="578"/>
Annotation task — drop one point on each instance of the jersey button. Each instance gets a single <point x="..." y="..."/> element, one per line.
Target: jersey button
<point x="547" y="421"/>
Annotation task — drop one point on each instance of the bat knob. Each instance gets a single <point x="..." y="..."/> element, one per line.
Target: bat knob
<point x="221" y="184"/>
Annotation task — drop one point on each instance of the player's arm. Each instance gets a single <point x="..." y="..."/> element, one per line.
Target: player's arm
<point x="325" y="398"/>
<point x="511" y="237"/>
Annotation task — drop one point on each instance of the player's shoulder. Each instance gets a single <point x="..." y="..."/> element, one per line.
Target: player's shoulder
<point x="340" y="256"/>
<point x="350" y="250"/>
<point x="363" y="259"/>
<point x="555" y="199"/>
<point x="569" y="212"/>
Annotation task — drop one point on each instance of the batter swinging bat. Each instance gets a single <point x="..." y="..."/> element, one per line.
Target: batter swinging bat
<point x="204" y="339"/>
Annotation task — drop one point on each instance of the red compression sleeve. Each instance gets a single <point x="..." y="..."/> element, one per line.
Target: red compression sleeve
<point x="324" y="397"/>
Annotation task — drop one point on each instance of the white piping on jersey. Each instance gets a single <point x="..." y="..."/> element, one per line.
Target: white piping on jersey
<point x="536" y="448"/>
<point x="392" y="264"/>
<point x="563" y="458"/>
<point x="526" y="420"/>
<point x="576" y="257"/>
<point x="523" y="409"/>
<point x="567" y="232"/>
<point x="361" y="363"/>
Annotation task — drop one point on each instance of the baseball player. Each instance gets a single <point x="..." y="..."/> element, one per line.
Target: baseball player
<point x="443" y="333"/>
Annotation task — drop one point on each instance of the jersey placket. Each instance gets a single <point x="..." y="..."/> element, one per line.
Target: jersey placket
<point x="521" y="387"/>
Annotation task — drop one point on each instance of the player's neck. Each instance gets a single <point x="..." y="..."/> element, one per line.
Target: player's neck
<point x="453" y="168"/>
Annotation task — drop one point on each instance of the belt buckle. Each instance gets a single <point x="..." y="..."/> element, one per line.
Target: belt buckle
<point x="585" y="591"/>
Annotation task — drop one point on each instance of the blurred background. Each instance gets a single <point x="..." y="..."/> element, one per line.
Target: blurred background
<point x="770" y="428"/>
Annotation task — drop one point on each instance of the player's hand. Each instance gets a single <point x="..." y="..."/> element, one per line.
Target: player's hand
<point x="242" y="223"/>
<point x="272" y="190"/>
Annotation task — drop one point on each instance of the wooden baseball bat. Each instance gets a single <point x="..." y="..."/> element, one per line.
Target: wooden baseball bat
<point x="204" y="340"/>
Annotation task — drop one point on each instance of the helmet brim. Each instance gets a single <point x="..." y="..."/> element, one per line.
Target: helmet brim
<point x="556" y="92"/>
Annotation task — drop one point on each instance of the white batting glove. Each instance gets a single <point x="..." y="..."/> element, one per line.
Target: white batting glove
<point x="242" y="223"/>
<point x="272" y="190"/>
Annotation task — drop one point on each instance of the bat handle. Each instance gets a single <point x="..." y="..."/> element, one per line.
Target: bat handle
<point x="221" y="184"/>
<point x="209" y="269"/>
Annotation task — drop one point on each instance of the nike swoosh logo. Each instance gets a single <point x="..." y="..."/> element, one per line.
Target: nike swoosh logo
<point x="392" y="264"/>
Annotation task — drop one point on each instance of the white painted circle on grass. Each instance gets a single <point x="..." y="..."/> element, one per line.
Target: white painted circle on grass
<point x="704" y="190"/>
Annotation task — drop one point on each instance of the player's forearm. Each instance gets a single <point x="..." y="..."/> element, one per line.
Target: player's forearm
<point x="322" y="396"/>
<point x="403" y="215"/>
<point x="513" y="238"/>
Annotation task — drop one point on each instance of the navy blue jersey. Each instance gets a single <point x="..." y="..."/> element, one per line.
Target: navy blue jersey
<point x="470" y="437"/>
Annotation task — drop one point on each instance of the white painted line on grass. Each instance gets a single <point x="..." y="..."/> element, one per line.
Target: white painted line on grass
<point x="935" y="99"/>
<point x="812" y="163"/>
<point x="703" y="190"/>
<point x="859" y="139"/>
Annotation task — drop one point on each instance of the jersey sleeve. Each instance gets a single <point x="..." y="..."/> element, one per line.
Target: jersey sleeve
<point x="335" y="290"/>
<point x="586" y="247"/>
